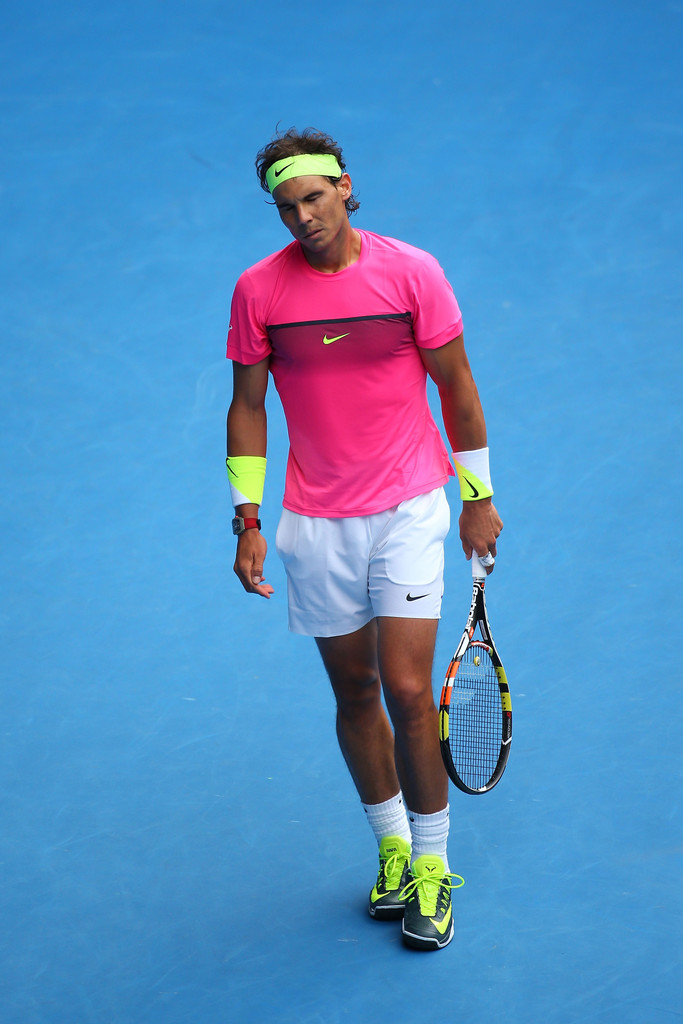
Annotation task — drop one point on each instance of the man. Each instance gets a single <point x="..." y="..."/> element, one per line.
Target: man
<point x="349" y="324"/>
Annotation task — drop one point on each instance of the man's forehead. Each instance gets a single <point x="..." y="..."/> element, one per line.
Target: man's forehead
<point x="299" y="188"/>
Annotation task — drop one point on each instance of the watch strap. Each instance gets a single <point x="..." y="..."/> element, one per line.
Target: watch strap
<point x="239" y="525"/>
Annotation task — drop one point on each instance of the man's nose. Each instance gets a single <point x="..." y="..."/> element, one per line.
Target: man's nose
<point x="303" y="213"/>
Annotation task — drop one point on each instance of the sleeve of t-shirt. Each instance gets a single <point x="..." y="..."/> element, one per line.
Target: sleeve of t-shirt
<point x="247" y="336"/>
<point x="436" y="315"/>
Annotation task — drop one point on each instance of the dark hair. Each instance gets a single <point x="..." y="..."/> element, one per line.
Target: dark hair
<point x="293" y="143"/>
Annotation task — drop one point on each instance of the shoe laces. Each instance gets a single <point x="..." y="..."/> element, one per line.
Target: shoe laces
<point x="429" y="887"/>
<point x="391" y="869"/>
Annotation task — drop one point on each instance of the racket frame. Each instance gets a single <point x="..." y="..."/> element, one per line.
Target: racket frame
<point x="477" y="616"/>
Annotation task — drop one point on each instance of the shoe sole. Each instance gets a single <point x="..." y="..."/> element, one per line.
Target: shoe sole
<point x="427" y="943"/>
<point x="385" y="913"/>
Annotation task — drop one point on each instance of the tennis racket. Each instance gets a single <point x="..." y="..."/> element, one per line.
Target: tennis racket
<point x="475" y="713"/>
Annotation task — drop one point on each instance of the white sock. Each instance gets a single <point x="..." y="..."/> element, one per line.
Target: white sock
<point x="388" y="818"/>
<point x="430" y="834"/>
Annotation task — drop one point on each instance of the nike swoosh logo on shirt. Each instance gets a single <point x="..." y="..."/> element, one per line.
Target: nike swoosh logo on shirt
<point x="418" y="597"/>
<point x="328" y="341"/>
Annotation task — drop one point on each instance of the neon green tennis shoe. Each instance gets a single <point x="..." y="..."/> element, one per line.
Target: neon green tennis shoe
<point x="428" y="917"/>
<point x="386" y="901"/>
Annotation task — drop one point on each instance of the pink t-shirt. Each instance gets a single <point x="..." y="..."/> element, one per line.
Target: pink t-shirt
<point x="344" y="357"/>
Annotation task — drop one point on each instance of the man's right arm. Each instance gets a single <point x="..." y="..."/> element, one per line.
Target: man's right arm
<point x="247" y="435"/>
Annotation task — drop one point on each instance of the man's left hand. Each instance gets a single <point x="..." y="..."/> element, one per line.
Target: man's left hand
<point x="480" y="527"/>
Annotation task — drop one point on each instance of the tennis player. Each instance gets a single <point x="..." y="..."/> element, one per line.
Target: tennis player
<point x="349" y="324"/>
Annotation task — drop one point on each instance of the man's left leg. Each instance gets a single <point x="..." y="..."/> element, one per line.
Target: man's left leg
<point x="406" y="655"/>
<point x="405" y="650"/>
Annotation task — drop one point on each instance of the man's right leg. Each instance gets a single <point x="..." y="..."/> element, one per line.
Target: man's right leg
<point x="365" y="736"/>
<point x="366" y="740"/>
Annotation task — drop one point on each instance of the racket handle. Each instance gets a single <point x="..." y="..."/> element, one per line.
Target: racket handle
<point x="478" y="570"/>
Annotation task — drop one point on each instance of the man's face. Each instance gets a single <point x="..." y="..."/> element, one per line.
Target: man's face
<point x="313" y="209"/>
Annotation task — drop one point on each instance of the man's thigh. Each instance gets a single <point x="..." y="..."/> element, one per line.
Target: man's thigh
<point x="351" y="660"/>
<point x="405" y="649"/>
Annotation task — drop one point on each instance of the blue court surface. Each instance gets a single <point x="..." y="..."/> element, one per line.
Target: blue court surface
<point x="180" y="841"/>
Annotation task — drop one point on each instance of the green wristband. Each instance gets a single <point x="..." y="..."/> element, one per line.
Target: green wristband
<point x="246" y="475"/>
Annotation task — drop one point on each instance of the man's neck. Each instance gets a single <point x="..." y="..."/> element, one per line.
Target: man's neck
<point x="344" y="251"/>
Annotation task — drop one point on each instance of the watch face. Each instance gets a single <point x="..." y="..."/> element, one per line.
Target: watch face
<point x="239" y="525"/>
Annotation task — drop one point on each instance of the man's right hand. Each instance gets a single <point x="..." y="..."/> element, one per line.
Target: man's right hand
<point x="249" y="559"/>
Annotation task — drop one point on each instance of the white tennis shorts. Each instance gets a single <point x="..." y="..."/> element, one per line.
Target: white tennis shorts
<point x="341" y="573"/>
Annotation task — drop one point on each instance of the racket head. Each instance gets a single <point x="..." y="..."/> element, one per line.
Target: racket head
<point x="475" y="718"/>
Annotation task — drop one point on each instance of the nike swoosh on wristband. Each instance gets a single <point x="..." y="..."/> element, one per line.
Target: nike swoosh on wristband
<point x="418" y="597"/>
<point x="328" y="341"/>
<point x="475" y="492"/>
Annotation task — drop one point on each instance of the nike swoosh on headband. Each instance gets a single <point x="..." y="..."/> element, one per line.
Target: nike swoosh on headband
<point x="282" y="170"/>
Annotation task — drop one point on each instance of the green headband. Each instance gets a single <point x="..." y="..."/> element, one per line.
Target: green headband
<point x="303" y="163"/>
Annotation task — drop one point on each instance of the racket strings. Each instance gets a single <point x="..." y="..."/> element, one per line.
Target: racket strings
<point x="475" y="726"/>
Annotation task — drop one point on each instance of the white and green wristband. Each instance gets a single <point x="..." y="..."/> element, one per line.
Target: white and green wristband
<point x="474" y="474"/>
<point x="246" y="476"/>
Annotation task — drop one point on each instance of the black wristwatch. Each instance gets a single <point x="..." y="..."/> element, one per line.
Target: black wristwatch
<point x="239" y="525"/>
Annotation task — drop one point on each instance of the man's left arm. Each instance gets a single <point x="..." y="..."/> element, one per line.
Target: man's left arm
<point x="465" y="426"/>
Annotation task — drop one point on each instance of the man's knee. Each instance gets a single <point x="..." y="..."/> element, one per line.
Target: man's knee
<point x="357" y="688"/>
<point x="410" y="702"/>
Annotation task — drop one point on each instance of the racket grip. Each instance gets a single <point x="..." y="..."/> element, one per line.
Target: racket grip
<point x="478" y="570"/>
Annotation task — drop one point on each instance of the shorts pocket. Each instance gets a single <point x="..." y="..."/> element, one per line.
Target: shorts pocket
<point x="413" y="552"/>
